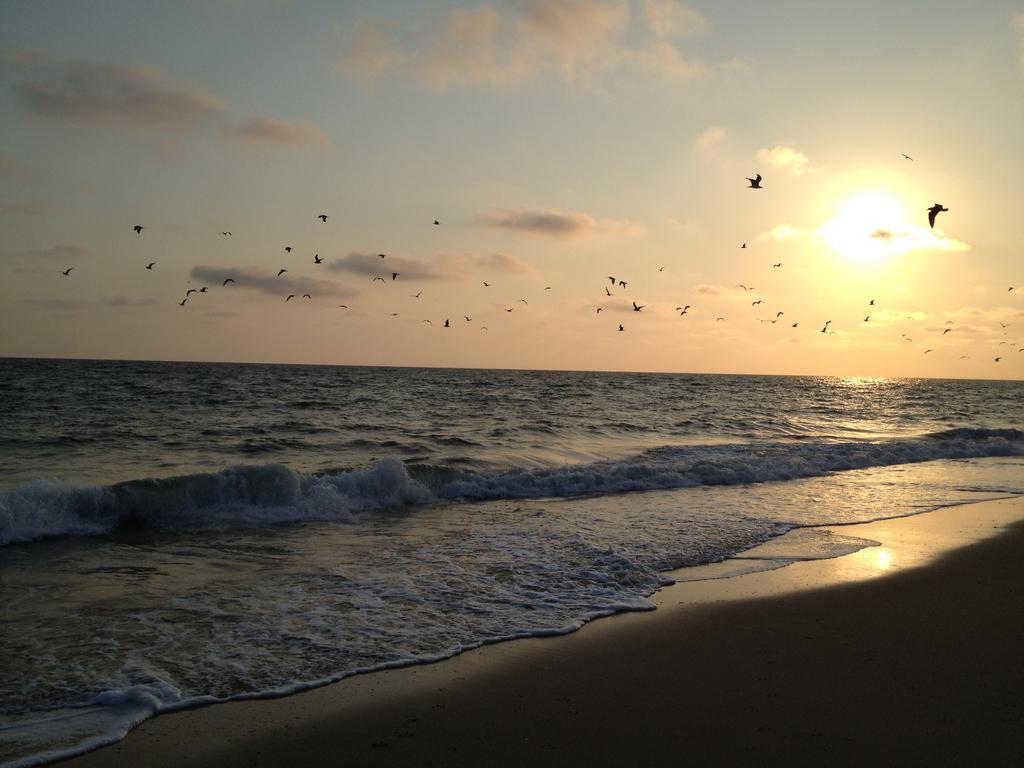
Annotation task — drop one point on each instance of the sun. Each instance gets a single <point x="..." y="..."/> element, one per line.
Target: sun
<point x="868" y="228"/>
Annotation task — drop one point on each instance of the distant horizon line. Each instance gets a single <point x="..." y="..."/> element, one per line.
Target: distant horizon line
<point x="506" y="370"/>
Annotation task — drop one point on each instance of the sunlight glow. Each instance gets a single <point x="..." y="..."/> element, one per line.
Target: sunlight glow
<point x="869" y="227"/>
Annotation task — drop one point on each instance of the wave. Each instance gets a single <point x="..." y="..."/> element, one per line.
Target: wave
<point x="271" y="493"/>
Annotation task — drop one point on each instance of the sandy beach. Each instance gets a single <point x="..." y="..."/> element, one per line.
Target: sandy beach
<point x="904" y="653"/>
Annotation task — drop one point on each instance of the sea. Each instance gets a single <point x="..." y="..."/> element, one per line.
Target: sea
<point x="178" y="534"/>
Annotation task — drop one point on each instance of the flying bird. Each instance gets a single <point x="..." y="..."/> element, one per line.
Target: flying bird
<point x="743" y="246"/>
<point x="306" y="296"/>
<point x="755" y="183"/>
<point x="322" y="217"/>
<point x="867" y="318"/>
<point x="225" y="233"/>
<point x="317" y="259"/>
<point x="190" y="291"/>
<point x="394" y="275"/>
<point x="343" y="306"/>
<point x="964" y="357"/>
<point x="621" y="328"/>
<point x="779" y="314"/>
<point x="934" y="211"/>
<point x="182" y="302"/>
<point x="607" y="292"/>
<point x="426" y="321"/>
<point x="794" y="325"/>
<point x="486" y="284"/>
<point x="661" y="269"/>
<point x="611" y="280"/>
<point x="376" y="279"/>
<point x="907" y="338"/>
<point x="928" y="350"/>
<point x="138" y="229"/>
<point x="719" y="319"/>
<point x="288" y="249"/>
<point x="67" y="272"/>
<point x="908" y="157"/>
<point x="382" y="255"/>
<point x="871" y="303"/>
<point x="281" y="272"/>
<point x="524" y="301"/>
<point x="622" y="284"/>
<point x="509" y="310"/>
<point x="447" y="324"/>
<point x="638" y="308"/>
<point x="437" y="223"/>
<point x="600" y="310"/>
<point x="946" y="331"/>
<point x="468" y="318"/>
<point x="290" y="297"/>
<point x="226" y="281"/>
<point x="776" y="266"/>
<point x="755" y="303"/>
<point x="150" y="265"/>
<point x="741" y="285"/>
<point x="204" y="289"/>
<point x="417" y="295"/>
<point x="998" y="359"/>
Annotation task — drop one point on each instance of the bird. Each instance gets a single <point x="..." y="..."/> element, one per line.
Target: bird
<point x="317" y="259"/>
<point x="948" y="322"/>
<point x="509" y="310"/>
<point x="1004" y="325"/>
<point x="824" y="329"/>
<point x="998" y="359"/>
<point x="611" y="280"/>
<point x="755" y="183"/>
<point x="621" y="328"/>
<point x="600" y="310"/>
<point x="661" y="269"/>
<point x="204" y="289"/>
<point x="394" y="275"/>
<point x="907" y="338"/>
<point x="468" y="318"/>
<point x="905" y="155"/>
<point x="67" y="272"/>
<point x="719" y="319"/>
<point x="225" y="233"/>
<point x="964" y="357"/>
<point x="417" y="295"/>
<point x="867" y="318"/>
<point x="306" y="296"/>
<point x="322" y="217"/>
<point x="776" y="266"/>
<point x="741" y="285"/>
<point x="447" y="324"/>
<point x="382" y="255"/>
<point x="290" y="297"/>
<point x="928" y="350"/>
<point x="343" y="306"/>
<point x="1009" y="289"/>
<point x="638" y="308"/>
<point x="794" y="325"/>
<point x="946" y="331"/>
<point x="281" y="272"/>
<point x="190" y="291"/>
<point x="743" y="246"/>
<point x="150" y="265"/>
<point x="138" y="229"/>
<point x="437" y="223"/>
<point x="755" y="303"/>
<point x="622" y="284"/>
<point x="182" y="302"/>
<point x="486" y="284"/>
<point x="607" y="292"/>
<point x="525" y="302"/>
<point x="934" y="211"/>
<point x="376" y="279"/>
<point x="226" y="281"/>
<point x="547" y="288"/>
<point x="288" y="249"/>
<point x="779" y="314"/>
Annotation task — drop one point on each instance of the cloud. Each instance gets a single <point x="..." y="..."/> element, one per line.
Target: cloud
<point x="509" y="43"/>
<point x="273" y="130"/>
<point x="71" y="306"/>
<point x="265" y="281"/>
<point x="854" y="235"/>
<point x="126" y="301"/>
<point x="557" y="224"/>
<point x="86" y="91"/>
<point x="783" y="232"/>
<point x="371" y="48"/>
<point x="23" y="208"/>
<point x="792" y="161"/>
<point x="69" y="254"/>
<point x="710" y="290"/>
<point x="444" y="267"/>
<point x="710" y="140"/>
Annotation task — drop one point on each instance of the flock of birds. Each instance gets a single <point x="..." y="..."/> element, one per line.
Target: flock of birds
<point x="614" y="283"/>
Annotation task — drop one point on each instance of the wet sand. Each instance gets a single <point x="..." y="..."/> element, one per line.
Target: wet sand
<point x="904" y="653"/>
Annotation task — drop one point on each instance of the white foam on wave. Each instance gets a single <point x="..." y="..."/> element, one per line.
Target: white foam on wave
<point x="268" y="494"/>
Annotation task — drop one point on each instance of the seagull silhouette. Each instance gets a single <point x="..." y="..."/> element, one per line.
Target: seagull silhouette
<point x="426" y="321"/>
<point x="486" y="284"/>
<point x="719" y="319"/>
<point x="394" y="275"/>
<point x="382" y="255"/>
<point x="322" y="217"/>
<point x="290" y="297"/>
<point x="417" y="295"/>
<point x="743" y="246"/>
<point x="755" y="303"/>
<point x="611" y="280"/>
<point x="182" y="302"/>
<point x="867" y="318"/>
<point x="779" y="314"/>
<point x="776" y="266"/>
<point x="447" y="324"/>
<point x="204" y="289"/>
<point x="794" y="325"/>
<point x="509" y="310"/>
<point x="622" y="284"/>
<point x="928" y="350"/>
<point x="871" y="303"/>
<point x="281" y="272"/>
<point x="67" y="272"/>
<point x="946" y="331"/>
<point x="468" y="318"/>
<point x="621" y="328"/>
<point x="998" y="359"/>
<point x="306" y="296"/>
<point x="607" y="292"/>
<point x="288" y="249"/>
<point x="755" y="183"/>
<point x="225" y="233"/>
<point x="150" y="265"/>
<point x="908" y="157"/>
<point x="138" y="229"/>
<point x="317" y="259"/>
<point x="934" y="211"/>
<point x="226" y="281"/>
<point x="190" y="291"/>
<point x="638" y="308"/>
<point x="525" y="301"/>
<point x="600" y="310"/>
<point x="437" y="223"/>
<point x="376" y="279"/>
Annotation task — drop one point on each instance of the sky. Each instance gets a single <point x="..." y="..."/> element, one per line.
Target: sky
<point x="558" y="143"/>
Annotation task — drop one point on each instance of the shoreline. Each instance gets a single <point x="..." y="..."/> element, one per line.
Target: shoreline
<point x="820" y="659"/>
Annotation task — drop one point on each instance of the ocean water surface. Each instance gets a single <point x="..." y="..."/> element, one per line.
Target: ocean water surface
<point x="173" y="534"/>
